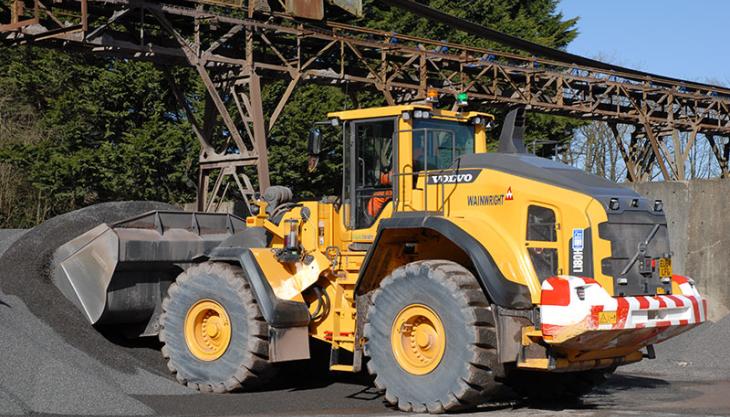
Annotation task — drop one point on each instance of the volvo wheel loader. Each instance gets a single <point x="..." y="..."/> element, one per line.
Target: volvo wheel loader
<point x="446" y="269"/>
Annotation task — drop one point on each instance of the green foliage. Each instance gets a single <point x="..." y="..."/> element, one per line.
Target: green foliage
<point x="111" y="131"/>
<point x="288" y="140"/>
<point x="533" y="20"/>
<point x="79" y="129"/>
<point x="288" y="143"/>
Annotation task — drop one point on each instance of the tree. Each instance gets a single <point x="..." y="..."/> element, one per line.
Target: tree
<point x="594" y="149"/>
<point x="536" y="20"/>
<point x="109" y="131"/>
<point x="87" y="129"/>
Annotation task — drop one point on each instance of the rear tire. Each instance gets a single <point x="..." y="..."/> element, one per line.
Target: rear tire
<point x="241" y="361"/>
<point x="462" y="377"/>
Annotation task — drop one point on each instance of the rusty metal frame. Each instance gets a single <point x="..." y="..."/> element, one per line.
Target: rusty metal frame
<point x="242" y="52"/>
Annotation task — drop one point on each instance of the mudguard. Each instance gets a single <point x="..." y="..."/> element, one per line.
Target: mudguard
<point x="500" y="290"/>
<point x="279" y="313"/>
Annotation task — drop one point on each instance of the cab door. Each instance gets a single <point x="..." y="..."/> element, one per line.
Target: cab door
<point x="368" y="179"/>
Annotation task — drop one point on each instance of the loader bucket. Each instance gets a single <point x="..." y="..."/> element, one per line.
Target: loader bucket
<point x="119" y="273"/>
<point x="84" y="268"/>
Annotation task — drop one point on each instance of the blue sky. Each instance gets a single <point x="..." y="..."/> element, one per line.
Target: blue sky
<point x="677" y="38"/>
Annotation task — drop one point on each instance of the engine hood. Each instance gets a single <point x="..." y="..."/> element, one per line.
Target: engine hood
<point x="549" y="172"/>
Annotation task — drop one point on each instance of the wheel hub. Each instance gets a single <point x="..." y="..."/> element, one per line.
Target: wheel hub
<point x="207" y="330"/>
<point x="418" y="339"/>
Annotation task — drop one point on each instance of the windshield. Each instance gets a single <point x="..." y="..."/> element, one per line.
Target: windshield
<point x="437" y="143"/>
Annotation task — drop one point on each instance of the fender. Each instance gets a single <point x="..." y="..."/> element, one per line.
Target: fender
<point x="277" y="312"/>
<point x="500" y="290"/>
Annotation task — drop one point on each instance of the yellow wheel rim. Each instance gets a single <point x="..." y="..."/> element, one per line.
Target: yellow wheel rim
<point x="207" y="330"/>
<point x="418" y="339"/>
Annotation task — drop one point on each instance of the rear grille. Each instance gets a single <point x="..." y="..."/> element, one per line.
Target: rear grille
<point x="626" y="231"/>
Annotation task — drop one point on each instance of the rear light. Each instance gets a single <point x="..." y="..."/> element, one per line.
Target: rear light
<point x="613" y="204"/>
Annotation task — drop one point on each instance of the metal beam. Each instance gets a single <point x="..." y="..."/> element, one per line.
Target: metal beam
<point x="401" y="67"/>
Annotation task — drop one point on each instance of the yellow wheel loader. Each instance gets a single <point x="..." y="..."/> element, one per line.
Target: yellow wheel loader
<point x="447" y="270"/>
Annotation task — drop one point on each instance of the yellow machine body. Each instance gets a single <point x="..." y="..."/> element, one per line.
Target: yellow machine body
<point x="536" y="268"/>
<point x="491" y="207"/>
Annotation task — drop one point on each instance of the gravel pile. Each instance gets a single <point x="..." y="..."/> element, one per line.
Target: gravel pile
<point x="699" y="354"/>
<point x="51" y="359"/>
<point x="8" y="237"/>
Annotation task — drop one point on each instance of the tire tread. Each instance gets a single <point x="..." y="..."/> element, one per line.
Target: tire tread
<point x="252" y="372"/>
<point x="478" y="381"/>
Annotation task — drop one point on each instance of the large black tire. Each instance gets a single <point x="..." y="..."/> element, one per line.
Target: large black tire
<point x="463" y="378"/>
<point x="556" y="387"/>
<point x="245" y="364"/>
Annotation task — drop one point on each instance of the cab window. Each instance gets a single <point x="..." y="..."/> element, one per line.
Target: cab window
<point x="437" y="143"/>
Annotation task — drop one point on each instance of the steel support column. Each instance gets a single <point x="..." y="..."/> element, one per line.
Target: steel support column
<point x="244" y="50"/>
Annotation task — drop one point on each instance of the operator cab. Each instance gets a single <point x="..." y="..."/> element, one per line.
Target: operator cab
<point x="387" y="148"/>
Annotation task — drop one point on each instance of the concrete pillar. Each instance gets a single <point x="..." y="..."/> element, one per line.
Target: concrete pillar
<point x="699" y="233"/>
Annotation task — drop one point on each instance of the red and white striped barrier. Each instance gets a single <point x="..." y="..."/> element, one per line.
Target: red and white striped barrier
<point x="578" y="311"/>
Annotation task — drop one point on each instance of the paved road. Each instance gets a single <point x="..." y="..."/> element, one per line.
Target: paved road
<point x="304" y="392"/>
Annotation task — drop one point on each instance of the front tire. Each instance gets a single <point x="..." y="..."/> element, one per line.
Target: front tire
<point x="215" y="338"/>
<point x="431" y="338"/>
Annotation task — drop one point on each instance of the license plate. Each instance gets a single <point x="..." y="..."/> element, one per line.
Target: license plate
<point x="665" y="267"/>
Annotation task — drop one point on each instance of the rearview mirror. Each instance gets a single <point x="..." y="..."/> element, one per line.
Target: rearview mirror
<point x="314" y="147"/>
<point x="314" y="144"/>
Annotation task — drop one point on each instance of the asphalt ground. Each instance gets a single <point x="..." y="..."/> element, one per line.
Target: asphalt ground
<point x="624" y="394"/>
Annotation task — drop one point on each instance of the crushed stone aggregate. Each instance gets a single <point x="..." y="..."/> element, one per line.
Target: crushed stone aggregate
<point x="53" y="361"/>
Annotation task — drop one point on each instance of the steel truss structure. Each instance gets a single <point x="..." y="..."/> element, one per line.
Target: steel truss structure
<point x="235" y="48"/>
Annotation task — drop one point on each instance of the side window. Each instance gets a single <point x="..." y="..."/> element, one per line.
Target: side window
<point x="541" y="224"/>
<point x="542" y="240"/>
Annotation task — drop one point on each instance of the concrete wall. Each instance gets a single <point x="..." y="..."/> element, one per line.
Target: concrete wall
<point x="699" y="231"/>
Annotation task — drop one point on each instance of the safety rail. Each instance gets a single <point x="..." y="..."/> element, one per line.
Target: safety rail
<point x="401" y="203"/>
